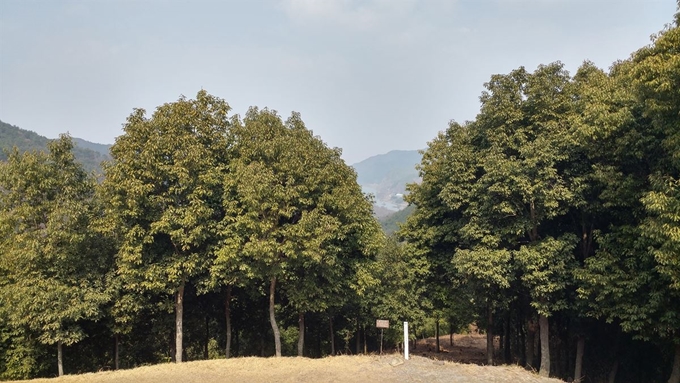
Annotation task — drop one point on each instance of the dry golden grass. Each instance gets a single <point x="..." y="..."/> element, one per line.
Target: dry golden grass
<point x="341" y="369"/>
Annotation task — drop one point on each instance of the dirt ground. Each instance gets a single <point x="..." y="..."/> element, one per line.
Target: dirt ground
<point x="467" y="348"/>
<point x="462" y="363"/>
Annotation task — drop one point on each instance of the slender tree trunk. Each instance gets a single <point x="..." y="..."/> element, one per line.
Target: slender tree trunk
<point x="237" y="340"/>
<point x="489" y="337"/>
<point x="318" y="343"/>
<point x="675" y="374"/>
<point x="301" y="333"/>
<point x="415" y="336"/>
<point x="365" y="343"/>
<point x="545" y="345"/>
<point x="358" y="338"/>
<point x="436" y="334"/>
<point x="614" y="371"/>
<point x="60" y="358"/>
<point x="330" y="323"/>
<point x="450" y="332"/>
<point x="227" y="314"/>
<point x="179" y="311"/>
<point x="207" y="338"/>
<point x="272" y="318"/>
<point x="116" y="351"/>
<point x="578" y="365"/>
<point x="506" y="340"/>
<point x="521" y="343"/>
<point x="530" y="340"/>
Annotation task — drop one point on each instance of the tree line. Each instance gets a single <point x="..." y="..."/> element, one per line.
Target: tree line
<point x="233" y="219"/>
<point x="553" y="218"/>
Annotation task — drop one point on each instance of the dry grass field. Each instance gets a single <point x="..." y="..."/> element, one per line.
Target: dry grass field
<point x="458" y="364"/>
<point x="338" y="369"/>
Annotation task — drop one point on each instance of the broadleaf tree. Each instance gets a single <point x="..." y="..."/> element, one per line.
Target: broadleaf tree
<point x="164" y="186"/>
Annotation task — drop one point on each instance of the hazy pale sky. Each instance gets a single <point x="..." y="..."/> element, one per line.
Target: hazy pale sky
<point x="368" y="76"/>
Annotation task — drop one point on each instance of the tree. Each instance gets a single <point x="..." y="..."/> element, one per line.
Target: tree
<point x="633" y="279"/>
<point x="295" y="213"/>
<point x="391" y="286"/>
<point x="50" y="257"/>
<point x="165" y="192"/>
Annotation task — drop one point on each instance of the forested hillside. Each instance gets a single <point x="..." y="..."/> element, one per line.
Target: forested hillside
<point x="553" y="217"/>
<point x="87" y="153"/>
<point x="551" y="222"/>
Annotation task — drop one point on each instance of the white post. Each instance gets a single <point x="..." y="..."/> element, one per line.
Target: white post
<point x="405" y="340"/>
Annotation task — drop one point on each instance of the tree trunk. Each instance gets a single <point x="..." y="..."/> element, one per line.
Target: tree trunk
<point x="227" y="314"/>
<point x="330" y="323"/>
<point x="60" y="358"/>
<point x="580" y="348"/>
<point x="179" y="311"/>
<point x="489" y="337"/>
<point x="301" y="333"/>
<point x="675" y="374"/>
<point x="415" y="336"/>
<point x="545" y="345"/>
<point x="450" y="332"/>
<point x="365" y="343"/>
<point x="436" y="334"/>
<point x="237" y="342"/>
<point x="358" y="338"/>
<point x="614" y="370"/>
<point x="272" y="318"/>
<point x="207" y="338"/>
<point x="530" y="350"/>
<point x="116" y="352"/>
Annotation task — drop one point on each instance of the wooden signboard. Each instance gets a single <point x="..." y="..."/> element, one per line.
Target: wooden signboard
<point x="382" y="323"/>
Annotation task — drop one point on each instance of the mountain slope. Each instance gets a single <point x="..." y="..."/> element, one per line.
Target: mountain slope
<point x="87" y="153"/>
<point x="386" y="175"/>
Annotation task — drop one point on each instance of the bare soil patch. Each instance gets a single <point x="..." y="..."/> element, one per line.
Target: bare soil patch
<point x="467" y="348"/>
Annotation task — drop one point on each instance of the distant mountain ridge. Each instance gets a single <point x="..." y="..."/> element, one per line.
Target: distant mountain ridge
<point x="89" y="154"/>
<point x="386" y="175"/>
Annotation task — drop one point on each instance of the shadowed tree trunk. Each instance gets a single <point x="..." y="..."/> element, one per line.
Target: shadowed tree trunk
<point x="506" y="339"/>
<point x="613" y="372"/>
<point x="489" y="336"/>
<point x="358" y="338"/>
<point x="365" y="343"/>
<point x="451" y="332"/>
<point x="272" y="318"/>
<point x="116" y="352"/>
<point x="675" y="374"/>
<point x="330" y="323"/>
<point x="179" y="311"/>
<point x="530" y="340"/>
<point x="60" y="358"/>
<point x="578" y="365"/>
<point x="544" y="329"/>
<point x="436" y="334"/>
<point x="207" y="338"/>
<point x="227" y="314"/>
<point x="301" y="333"/>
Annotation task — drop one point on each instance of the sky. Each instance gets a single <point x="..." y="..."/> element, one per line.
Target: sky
<point x="368" y="76"/>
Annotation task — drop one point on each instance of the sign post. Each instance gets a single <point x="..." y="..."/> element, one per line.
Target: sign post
<point x="382" y="324"/>
<point x="405" y="340"/>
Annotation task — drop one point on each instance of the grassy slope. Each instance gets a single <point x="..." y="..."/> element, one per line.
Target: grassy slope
<point x="370" y="368"/>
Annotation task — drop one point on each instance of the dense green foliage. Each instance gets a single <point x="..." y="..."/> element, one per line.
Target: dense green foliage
<point x="391" y="223"/>
<point x="556" y="210"/>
